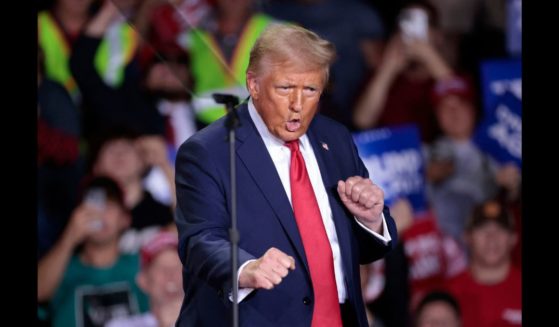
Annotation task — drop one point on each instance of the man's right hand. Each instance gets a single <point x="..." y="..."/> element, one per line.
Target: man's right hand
<point x="267" y="271"/>
<point x="79" y="226"/>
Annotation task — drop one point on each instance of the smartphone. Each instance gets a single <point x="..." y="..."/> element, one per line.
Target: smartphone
<point x="96" y="198"/>
<point x="414" y="24"/>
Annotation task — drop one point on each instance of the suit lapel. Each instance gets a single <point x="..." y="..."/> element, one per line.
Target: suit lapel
<point x="253" y="154"/>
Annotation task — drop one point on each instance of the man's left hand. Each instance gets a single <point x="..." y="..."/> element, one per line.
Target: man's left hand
<point x="364" y="200"/>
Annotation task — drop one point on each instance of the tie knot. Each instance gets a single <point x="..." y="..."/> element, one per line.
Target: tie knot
<point x="293" y="145"/>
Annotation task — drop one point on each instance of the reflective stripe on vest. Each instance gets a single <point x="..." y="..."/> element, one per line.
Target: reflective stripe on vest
<point x="56" y="52"/>
<point x="115" y="52"/>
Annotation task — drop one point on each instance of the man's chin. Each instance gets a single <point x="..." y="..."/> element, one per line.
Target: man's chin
<point x="288" y="135"/>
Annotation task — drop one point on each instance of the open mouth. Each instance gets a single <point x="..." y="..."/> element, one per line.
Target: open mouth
<point x="293" y="125"/>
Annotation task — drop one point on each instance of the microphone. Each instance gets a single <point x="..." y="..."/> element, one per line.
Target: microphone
<point x="229" y="100"/>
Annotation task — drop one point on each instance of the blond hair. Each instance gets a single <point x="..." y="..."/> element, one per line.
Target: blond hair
<point x="286" y="43"/>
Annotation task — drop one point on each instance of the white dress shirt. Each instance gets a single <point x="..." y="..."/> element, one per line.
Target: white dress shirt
<point x="281" y="156"/>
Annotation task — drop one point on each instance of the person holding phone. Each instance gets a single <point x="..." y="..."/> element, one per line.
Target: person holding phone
<point x="412" y="63"/>
<point x="84" y="277"/>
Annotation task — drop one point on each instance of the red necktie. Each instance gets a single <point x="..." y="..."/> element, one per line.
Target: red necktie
<point x="315" y="241"/>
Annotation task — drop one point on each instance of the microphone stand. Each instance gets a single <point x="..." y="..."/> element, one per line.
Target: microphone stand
<point x="232" y="122"/>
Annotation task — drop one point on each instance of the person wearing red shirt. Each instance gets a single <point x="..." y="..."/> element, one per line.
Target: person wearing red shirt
<point x="489" y="292"/>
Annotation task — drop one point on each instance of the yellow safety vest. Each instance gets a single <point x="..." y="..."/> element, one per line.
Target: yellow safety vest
<point x="211" y="71"/>
<point x="115" y="52"/>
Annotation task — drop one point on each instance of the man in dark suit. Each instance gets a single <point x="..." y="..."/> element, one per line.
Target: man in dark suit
<point x="308" y="214"/>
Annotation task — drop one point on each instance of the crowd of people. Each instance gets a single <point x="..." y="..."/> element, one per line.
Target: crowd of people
<point x="123" y="83"/>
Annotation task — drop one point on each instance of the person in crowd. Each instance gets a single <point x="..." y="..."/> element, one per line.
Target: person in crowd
<point x="59" y="163"/>
<point x="219" y="51"/>
<point x="489" y="291"/>
<point x="105" y="105"/>
<point x="85" y="278"/>
<point x="125" y="157"/>
<point x="438" y="309"/>
<point x="161" y="279"/>
<point x="399" y="91"/>
<point x="459" y="174"/>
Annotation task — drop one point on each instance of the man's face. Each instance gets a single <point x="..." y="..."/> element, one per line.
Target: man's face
<point x="491" y="244"/>
<point x="120" y="160"/>
<point x="438" y="314"/>
<point x="114" y="220"/>
<point x="163" y="277"/>
<point x="456" y="116"/>
<point x="286" y="97"/>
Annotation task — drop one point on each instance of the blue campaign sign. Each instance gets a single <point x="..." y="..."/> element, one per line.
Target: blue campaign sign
<point x="395" y="162"/>
<point x="499" y="77"/>
<point x="500" y="133"/>
<point x="514" y="27"/>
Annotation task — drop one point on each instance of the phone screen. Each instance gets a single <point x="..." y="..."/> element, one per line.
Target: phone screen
<point x="413" y="24"/>
<point x="97" y="199"/>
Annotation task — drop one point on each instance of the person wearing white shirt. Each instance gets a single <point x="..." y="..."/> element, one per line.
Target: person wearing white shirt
<point x="308" y="215"/>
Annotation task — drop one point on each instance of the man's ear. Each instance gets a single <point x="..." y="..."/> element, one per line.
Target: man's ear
<point x="252" y="85"/>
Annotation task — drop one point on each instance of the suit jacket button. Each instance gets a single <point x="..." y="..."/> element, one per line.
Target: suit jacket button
<point x="306" y="300"/>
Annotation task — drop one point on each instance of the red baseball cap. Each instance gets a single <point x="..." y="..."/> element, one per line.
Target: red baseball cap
<point x="457" y="85"/>
<point x="161" y="241"/>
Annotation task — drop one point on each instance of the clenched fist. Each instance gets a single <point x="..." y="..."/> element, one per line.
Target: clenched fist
<point x="364" y="200"/>
<point x="268" y="271"/>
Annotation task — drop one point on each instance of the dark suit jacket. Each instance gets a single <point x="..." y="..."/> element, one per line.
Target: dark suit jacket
<point x="265" y="220"/>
